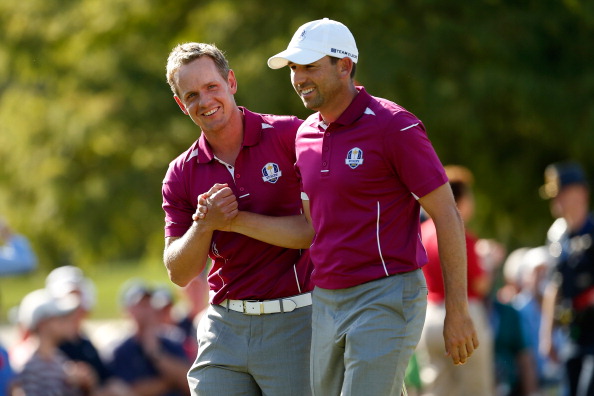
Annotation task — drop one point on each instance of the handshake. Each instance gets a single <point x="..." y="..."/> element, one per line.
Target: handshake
<point x="217" y="208"/>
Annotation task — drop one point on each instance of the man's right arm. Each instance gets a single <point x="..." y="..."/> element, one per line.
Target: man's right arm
<point x="185" y="257"/>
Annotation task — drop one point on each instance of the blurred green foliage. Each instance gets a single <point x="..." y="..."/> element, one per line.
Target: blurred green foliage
<point x="108" y="280"/>
<point x="88" y="125"/>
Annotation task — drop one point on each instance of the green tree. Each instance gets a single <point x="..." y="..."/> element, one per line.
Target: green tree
<point x="88" y="126"/>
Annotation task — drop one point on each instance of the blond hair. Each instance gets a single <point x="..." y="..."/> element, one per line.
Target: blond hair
<point x="185" y="53"/>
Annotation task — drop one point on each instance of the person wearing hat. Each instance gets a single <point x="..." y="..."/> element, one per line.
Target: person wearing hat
<point x="255" y="336"/>
<point x="148" y="361"/>
<point x="52" y="320"/>
<point x="71" y="280"/>
<point x="569" y="297"/>
<point x="440" y="378"/>
<point x="366" y="167"/>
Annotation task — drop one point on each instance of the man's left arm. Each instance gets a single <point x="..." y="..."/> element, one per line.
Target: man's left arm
<point x="459" y="333"/>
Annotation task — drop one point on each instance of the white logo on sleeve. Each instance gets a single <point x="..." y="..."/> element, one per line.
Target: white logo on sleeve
<point x="354" y="157"/>
<point x="271" y="172"/>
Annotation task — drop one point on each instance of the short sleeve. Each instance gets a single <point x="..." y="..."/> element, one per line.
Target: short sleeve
<point x="412" y="156"/>
<point x="178" y="211"/>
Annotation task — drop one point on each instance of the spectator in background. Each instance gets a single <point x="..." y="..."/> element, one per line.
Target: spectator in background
<point x="70" y="280"/>
<point x="515" y="366"/>
<point x="150" y="363"/>
<point x="16" y="255"/>
<point x="569" y="298"/>
<point x="515" y="369"/>
<point x="179" y="323"/>
<point x="6" y="372"/>
<point x="512" y="280"/>
<point x="51" y="321"/>
<point x="438" y="375"/>
<point x="535" y="265"/>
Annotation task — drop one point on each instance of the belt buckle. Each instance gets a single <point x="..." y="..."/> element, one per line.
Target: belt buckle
<point x="245" y="307"/>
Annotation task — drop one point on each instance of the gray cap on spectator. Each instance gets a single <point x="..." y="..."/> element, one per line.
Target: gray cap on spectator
<point x="133" y="291"/>
<point x="40" y="304"/>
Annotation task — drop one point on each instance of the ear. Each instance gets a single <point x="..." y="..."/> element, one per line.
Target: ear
<point x="345" y="65"/>
<point x="180" y="104"/>
<point x="232" y="81"/>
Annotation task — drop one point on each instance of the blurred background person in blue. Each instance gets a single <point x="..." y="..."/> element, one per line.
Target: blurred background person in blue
<point x="178" y="318"/>
<point x="515" y="364"/>
<point x="6" y="372"/>
<point x="535" y="265"/>
<point x="16" y="255"/>
<point x="569" y="297"/>
<point x="150" y="362"/>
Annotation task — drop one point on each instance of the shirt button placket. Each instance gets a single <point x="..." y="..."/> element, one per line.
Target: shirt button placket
<point x="326" y="153"/>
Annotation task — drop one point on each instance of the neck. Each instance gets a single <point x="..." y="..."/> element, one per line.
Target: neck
<point x="343" y="100"/>
<point x="226" y="145"/>
<point x="46" y="348"/>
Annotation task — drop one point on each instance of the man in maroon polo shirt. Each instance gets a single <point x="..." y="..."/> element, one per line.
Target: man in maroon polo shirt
<point x="255" y="337"/>
<point x="367" y="166"/>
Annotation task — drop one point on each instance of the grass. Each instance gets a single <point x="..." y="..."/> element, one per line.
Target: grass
<point x="108" y="279"/>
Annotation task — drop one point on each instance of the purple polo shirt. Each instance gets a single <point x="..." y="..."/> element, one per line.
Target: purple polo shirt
<point x="264" y="181"/>
<point x="362" y="176"/>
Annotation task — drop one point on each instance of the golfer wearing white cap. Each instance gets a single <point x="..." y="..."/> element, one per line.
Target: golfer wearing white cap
<point x="367" y="166"/>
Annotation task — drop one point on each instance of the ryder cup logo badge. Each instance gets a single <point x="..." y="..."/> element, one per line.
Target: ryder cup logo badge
<point x="354" y="157"/>
<point x="271" y="172"/>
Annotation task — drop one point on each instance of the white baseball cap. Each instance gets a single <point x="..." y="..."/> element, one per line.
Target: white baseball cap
<point x="40" y="304"/>
<point x="67" y="279"/>
<point x="314" y="40"/>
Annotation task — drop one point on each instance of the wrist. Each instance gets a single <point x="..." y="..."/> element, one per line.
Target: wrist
<point x="202" y="226"/>
<point x="235" y="222"/>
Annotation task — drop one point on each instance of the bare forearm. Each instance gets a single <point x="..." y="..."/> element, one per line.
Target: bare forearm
<point x="548" y="319"/>
<point x="459" y="333"/>
<point x="292" y="232"/>
<point x="452" y="253"/>
<point x="186" y="257"/>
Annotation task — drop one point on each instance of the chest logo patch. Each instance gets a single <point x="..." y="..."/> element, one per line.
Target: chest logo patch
<point x="271" y="172"/>
<point x="354" y="157"/>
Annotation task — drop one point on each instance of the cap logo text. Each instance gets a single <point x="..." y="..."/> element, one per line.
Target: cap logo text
<point x="341" y="52"/>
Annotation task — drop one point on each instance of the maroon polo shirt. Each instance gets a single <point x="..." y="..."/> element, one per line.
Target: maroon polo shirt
<point x="362" y="175"/>
<point x="264" y="181"/>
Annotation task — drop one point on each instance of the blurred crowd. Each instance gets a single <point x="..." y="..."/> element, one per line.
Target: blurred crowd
<point x="532" y="307"/>
<point x="149" y="356"/>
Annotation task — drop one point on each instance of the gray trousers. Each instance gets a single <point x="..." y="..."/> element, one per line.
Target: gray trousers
<point x="363" y="337"/>
<point x="249" y="355"/>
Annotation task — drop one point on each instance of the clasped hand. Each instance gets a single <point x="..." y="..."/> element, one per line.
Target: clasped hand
<point x="217" y="208"/>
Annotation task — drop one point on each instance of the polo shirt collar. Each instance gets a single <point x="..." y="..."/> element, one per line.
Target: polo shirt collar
<point x="356" y="109"/>
<point x="253" y="124"/>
